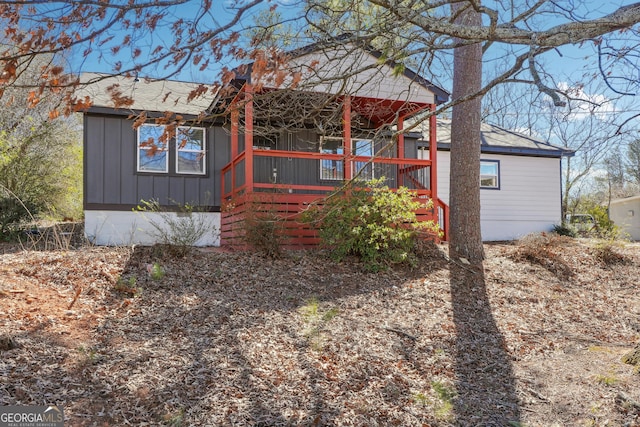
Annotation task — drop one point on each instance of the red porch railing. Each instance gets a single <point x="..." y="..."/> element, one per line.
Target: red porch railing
<point x="288" y="200"/>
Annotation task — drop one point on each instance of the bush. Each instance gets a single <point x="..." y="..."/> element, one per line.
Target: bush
<point x="180" y="232"/>
<point x="262" y="232"/>
<point x="565" y="230"/>
<point x="545" y="249"/>
<point x="13" y="215"/>
<point x="373" y="222"/>
<point x="604" y="227"/>
<point x="262" y="227"/>
<point x="600" y="214"/>
<point x="606" y="251"/>
<point x="41" y="161"/>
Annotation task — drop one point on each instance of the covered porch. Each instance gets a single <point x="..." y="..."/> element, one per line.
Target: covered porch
<point x="283" y="160"/>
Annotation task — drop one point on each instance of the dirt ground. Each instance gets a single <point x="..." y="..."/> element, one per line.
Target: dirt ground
<point x="136" y="336"/>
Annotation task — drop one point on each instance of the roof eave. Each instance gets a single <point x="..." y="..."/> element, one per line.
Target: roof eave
<point x="514" y="151"/>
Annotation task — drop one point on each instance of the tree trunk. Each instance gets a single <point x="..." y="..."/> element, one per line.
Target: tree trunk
<point x="465" y="235"/>
<point x="566" y="189"/>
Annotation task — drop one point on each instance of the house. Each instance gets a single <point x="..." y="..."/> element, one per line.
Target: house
<point x="625" y="213"/>
<point x="520" y="181"/>
<point x="252" y="145"/>
<point x="284" y="148"/>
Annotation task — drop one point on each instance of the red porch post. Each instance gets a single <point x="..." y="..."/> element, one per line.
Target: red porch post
<point x="346" y="141"/>
<point x="400" y="153"/>
<point x="248" y="136"/>
<point x="235" y="119"/>
<point x="400" y="137"/>
<point x="433" y="155"/>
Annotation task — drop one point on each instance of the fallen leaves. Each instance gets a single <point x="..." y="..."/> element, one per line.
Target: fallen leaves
<point x="234" y="339"/>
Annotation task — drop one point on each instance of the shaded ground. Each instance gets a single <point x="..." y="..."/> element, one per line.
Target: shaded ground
<point x="234" y="339"/>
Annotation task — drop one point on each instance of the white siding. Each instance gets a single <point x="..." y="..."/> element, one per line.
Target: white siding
<point x="528" y="200"/>
<point x="118" y="228"/>
<point x="626" y="215"/>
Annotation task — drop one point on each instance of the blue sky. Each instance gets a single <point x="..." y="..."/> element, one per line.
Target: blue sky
<point x="566" y="63"/>
<point x="573" y="63"/>
<point x="101" y="59"/>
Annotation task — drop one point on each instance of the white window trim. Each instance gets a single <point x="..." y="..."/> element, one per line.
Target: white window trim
<point x="203" y="151"/>
<point x="138" y="148"/>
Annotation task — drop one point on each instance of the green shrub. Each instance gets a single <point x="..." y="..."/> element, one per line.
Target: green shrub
<point x="564" y="230"/>
<point x="155" y="270"/>
<point x="375" y="223"/>
<point x="606" y="229"/>
<point x="14" y="214"/>
<point x="601" y="216"/>
<point x="41" y="159"/>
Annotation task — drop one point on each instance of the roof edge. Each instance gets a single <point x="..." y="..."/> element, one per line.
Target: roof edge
<point x="441" y="95"/>
<point x="513" y="151"/>
<point x="625" y="199"/>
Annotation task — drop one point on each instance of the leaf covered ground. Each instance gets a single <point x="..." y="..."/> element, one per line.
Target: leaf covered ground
<point x="136" y="336"/>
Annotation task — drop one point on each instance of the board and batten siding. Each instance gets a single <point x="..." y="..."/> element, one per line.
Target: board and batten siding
<point x="528" y="201"/>
<point x="113" y="187"/>
<point x="111" y="179"/>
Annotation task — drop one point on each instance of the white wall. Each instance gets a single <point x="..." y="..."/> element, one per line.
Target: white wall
<point x="625" y="213"/>
<point x="528" y="200"/>
<point x="117" y="228"/>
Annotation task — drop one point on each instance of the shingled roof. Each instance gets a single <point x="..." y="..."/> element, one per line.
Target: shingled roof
<point x="496" y="140"/>
<point x="147" y="95"/>
<point x="340" y="50"/>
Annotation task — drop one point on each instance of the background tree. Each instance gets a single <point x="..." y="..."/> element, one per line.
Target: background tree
<point x="588" y="125"/>
<point x="40" y="159"/>
<point x="633" y="161"/>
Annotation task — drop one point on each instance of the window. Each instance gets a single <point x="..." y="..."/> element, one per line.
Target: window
<point x="334" y="169"/>
<point x="190" y="150"/>
<point x="363" y="147"/>
<point x="490" y="174"/>
<point x="153" y="153"/>
<point x="152" y="149"/>
<point x="261" y="142"/>
<point x="331" y="169"/>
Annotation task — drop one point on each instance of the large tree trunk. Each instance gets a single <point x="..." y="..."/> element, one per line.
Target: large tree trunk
<point x="465" y="236"/>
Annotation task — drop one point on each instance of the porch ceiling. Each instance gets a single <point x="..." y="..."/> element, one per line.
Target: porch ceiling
<point x="288" y="106"/>
<point x="385" y="111"/>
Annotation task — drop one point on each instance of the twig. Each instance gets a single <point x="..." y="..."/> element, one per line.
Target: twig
<point x="75" y="298"/>
<point x="624" y="400"/>
<point x="399" y="332"/>
<point x="537" y="395"/>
